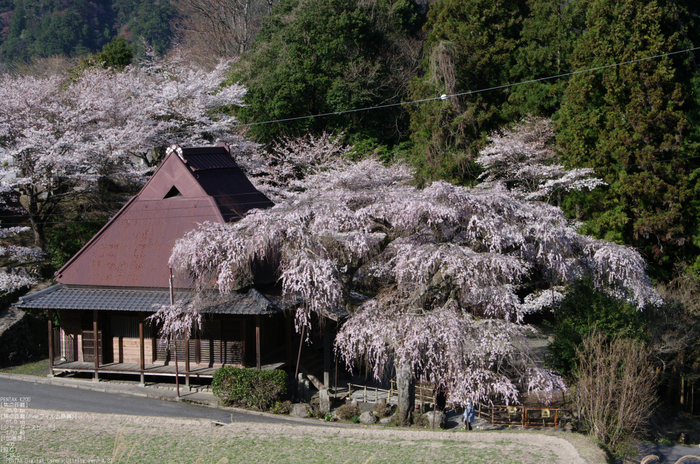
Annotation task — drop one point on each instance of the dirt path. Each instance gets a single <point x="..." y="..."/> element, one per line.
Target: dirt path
<point x="50" y="436"/>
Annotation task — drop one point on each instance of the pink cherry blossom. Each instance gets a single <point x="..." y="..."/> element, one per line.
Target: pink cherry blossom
<point x="447" y="274"/>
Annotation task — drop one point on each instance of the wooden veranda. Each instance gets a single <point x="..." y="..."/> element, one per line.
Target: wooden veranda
<point x="148" y="369"/>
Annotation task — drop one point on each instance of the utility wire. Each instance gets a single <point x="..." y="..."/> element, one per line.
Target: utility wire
<point x="470" y="92"/>
<point x="442" y="97"/>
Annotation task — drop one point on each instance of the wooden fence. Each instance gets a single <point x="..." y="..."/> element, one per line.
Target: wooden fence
<point x="424" y="395"/>
<point x="519" y="416"/>
<point x="515" y="416"/>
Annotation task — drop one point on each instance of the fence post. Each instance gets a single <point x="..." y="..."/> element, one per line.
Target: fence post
<point x="365" y="398"/>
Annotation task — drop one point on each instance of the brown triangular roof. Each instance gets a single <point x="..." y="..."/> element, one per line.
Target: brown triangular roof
<point x="133" y="248"/>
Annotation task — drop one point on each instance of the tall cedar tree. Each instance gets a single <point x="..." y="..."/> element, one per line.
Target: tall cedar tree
<point x="547" y="39"/>
<point x="326" y="56"/>
<point x="471" y="45"/>
<point x="630" y="123"/>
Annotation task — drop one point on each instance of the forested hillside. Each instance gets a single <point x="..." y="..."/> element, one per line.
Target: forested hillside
<point x="497" y="63"/>
<point x="34" y="28"/>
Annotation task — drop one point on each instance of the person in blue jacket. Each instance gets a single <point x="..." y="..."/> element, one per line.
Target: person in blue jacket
<point x="469" y="415"/>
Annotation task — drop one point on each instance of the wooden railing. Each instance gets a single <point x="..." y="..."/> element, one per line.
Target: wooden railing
<point x="515" y="416"/>
<point x="520" y="416"/>
<point x="424" y="395"/>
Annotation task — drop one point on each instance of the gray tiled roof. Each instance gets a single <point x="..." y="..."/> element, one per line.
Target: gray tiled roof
<point x="61" y="297"/>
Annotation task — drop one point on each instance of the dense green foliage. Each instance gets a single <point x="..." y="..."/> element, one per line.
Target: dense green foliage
<point x="66" y="239"/>
<point x="74" y="28"/>
<point x="249" y="387"/>
<point x="584" y="309"/>
<point x="116" y="55"/>
<point x="544" y="50"/>
<point x="470" y="45"/>
<point x="324" y="56"/>
<point x="631" y="124"/>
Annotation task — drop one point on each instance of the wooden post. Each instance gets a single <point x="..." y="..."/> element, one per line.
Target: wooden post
<point x="96" y="344"/>
<point x="335" y="388"/>
<point x="142" y="355"/>
<point x="198" y="350"/>
<point x="51" y="354"/>
<point x="327" y="354"/>
<point x="187" y="363"/>
<point x="288" y="339"/>
<point x="296" y="373"/>
<point x="172" y="339"/>
<point x="257" y="342"/>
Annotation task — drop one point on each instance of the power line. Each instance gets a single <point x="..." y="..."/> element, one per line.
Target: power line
<point x="461" y="94"/>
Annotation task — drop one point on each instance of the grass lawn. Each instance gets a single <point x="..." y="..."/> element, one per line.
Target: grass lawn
<point x="57" y="437"/>
<point x="38" y="368"/>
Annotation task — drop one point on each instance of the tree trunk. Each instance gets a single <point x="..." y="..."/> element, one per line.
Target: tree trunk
<point x="28" y="199"/>
<point x="406" y="390"/>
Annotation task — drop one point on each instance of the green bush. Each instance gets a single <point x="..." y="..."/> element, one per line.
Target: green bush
<point x="249" y="387"/>
<point x="281" y="407"/>
<point x="583" y="309"/>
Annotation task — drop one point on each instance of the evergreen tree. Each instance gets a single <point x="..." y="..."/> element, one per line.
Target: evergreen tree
<point x="326" y="56"/>
<point x="630" y="123"/>
<point x="470" y="46"/>
<point x="547" y="38"/>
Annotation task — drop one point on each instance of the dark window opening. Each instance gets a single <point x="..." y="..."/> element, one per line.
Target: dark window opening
<point x="173" y="192"/>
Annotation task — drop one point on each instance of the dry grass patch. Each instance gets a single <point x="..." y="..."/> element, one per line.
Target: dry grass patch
<point x="131" y="439"/>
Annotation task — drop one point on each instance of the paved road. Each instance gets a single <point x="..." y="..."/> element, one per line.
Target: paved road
<point x="670" y="454"/>
<point x="60" y="398"/>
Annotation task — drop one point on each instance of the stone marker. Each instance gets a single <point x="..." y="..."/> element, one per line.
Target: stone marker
<point x="440" y="419"/>
<point x="368" y="418"/>
<point x="324" y="401"/>
<point x="300" y="410"/>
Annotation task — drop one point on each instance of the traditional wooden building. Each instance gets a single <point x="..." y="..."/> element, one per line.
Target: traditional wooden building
<point x="115" y="281"/>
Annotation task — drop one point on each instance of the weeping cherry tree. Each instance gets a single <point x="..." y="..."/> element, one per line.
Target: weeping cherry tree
<point x="448" y="274"/>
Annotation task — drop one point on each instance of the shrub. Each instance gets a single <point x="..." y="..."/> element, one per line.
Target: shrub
<point x="382" y="409"/>
<point x="583" y="308"/>
<point x="348" y="411"/>
<point x="617" y="385"/>
<point x="281" y="407"/>
<point x="249" y="387"/>
<point x="421" y="421"/>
